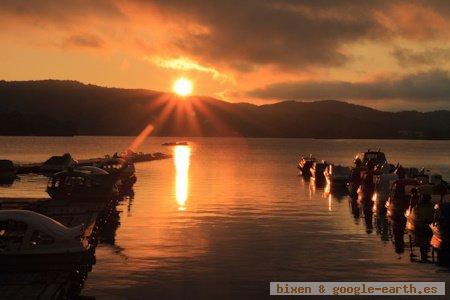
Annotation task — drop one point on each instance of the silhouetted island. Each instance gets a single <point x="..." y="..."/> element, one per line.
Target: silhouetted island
<point x="54" y="107"/>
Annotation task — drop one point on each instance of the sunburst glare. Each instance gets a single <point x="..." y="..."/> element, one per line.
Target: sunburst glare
<point x="182" y="87"/>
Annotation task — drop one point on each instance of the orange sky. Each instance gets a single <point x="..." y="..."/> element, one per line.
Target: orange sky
<point x="389" y="54"/>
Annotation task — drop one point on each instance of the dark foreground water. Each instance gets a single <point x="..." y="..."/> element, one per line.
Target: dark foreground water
<point x="226" y="216"/>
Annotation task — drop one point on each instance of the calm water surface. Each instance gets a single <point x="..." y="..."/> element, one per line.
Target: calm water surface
<point x="227" y="215"/>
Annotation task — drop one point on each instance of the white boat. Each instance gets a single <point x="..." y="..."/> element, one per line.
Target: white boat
<point x="31" y="240"/>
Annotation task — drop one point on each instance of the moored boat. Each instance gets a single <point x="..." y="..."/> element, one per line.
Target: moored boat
<point x="29" y="240"/>
<point x="422" y="177"/>
<point x="83" y="184"/>
<point x="419" y="216"/>
<point x="376" y="157"/>
<point x="305" y="164"/>
<point x="337" y="175"/>
<point x="317" y="170"/>
<point x="441" y="233"/>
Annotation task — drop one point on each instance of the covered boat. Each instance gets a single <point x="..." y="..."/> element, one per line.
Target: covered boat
<point x="337" y="175"/>
<point x="82" y="184"/>
<point x="7" y="170"/>
<point x="305" y="164"/>
<point x="31" y="240"/>
<point x="58" y="163"/>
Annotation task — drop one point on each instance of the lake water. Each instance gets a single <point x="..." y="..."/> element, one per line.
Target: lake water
<point x="228" y="215"/>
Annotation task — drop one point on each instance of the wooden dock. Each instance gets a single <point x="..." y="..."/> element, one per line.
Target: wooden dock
<point x="37" y="167"/>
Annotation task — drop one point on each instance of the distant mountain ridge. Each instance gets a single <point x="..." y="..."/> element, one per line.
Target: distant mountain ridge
<point x="54" y="107"/>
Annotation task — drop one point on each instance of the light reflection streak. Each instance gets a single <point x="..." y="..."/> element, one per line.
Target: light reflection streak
<point x="329" y="203"/>
<point x="141" y="137"/>
<point x="182" y="156"/>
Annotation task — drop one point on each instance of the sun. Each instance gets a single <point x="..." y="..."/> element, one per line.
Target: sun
<point x="182" y="87"/>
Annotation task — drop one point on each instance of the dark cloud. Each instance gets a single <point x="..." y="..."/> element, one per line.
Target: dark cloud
<point x="87" y="40"/>
<point x="61" y="12"/>
<point x="298" y="34"/>
<point x="433" y="86"/>
<point x="290" y="34"/>
<point x="429" y="57"/>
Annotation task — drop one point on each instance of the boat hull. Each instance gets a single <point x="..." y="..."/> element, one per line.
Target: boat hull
<point x="82" y="197"/>
<point x="44" y="262"/>
<point x="337" y="181"/>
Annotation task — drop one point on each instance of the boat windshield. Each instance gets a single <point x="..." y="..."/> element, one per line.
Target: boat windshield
<point x="377" y="157"/>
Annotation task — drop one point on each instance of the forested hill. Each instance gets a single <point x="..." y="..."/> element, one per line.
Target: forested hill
<point x="53" y="107"/>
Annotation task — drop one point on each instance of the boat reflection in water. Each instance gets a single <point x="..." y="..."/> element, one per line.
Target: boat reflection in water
<point x="182" y="158"/>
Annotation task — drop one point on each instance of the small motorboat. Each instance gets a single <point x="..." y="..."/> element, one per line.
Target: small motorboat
<point x="423" y="177"/>
<point x="441" y="233"/>
<point x="377" y="157"/>
<point x="337" y="175"/>
<point x="418" y="220"/>
<point x="175" y="144"/>
<point x="317" y="171"/>
<point x="383" y="183"/>
<point x="398" y="206"/>
<point x="29" y="240"/>
<point x="7" y="171"/>
<point x="305" y="164"/>
<point x="420" y="216"/>
<point x="83" y="184"/>
<point x="58" y="163"/>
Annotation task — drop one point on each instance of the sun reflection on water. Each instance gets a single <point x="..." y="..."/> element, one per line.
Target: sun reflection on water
<point x="182" y="156"/>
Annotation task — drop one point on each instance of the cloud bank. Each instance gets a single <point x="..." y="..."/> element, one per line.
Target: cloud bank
<point x="420" y="87"/>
